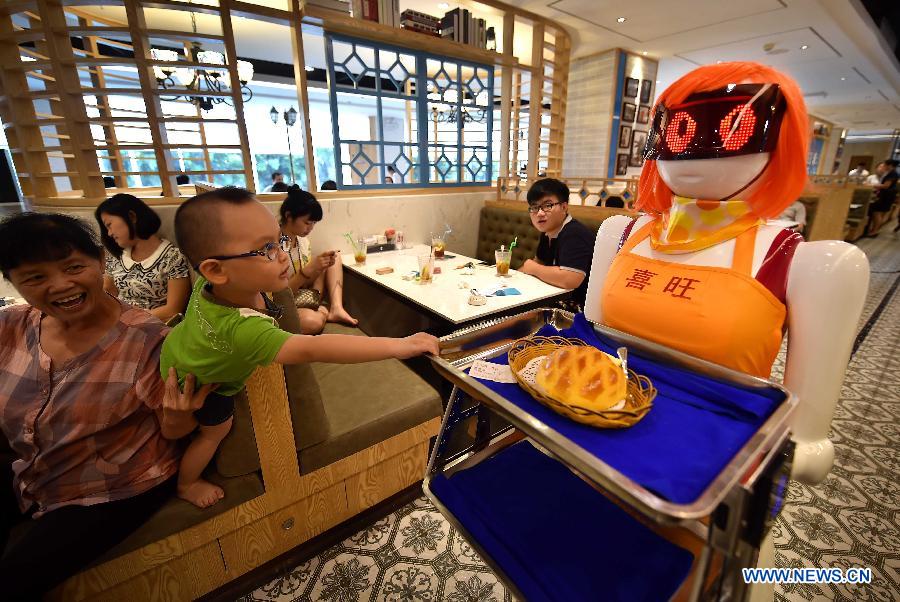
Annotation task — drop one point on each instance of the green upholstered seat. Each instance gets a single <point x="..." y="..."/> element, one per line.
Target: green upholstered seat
<point x="366" y="404"/>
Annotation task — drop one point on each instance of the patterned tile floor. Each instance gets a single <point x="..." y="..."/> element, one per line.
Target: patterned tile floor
<point x="851" y="519"/>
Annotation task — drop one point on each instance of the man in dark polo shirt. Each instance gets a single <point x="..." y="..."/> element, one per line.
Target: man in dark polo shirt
<point x="566" y="246"/>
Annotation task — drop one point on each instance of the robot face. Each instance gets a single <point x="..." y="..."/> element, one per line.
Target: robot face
<point x="711" y="179"/>
<point x="739" y="119"/>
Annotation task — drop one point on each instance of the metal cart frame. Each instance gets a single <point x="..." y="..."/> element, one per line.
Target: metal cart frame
<point x="732" y="515"/>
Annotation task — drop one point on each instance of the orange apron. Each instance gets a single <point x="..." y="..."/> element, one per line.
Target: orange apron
<point x="723" y="315"/>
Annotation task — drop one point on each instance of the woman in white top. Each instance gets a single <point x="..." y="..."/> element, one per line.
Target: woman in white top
<point x="299" y="214"/>
<point x="142" y="269"/>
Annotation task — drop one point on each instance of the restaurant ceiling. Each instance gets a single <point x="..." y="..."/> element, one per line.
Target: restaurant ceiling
<point x="841" y="42"/>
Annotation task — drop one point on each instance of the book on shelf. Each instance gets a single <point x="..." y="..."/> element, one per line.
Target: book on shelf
<point x="455" y="22"/>
<point x="387" y="12"/>
<point x="416" y="21"/>
<point x="367" y="10"/>
<point x="461" y="25"/>
<point x="427" y="32"/>
<point x="342" y="6"/>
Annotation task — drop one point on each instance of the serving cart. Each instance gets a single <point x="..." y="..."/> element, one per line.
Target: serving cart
<point x="672" y="507"/>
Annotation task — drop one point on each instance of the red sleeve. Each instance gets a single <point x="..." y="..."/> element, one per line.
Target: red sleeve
<point x="773" y="273"/>
<point x="627" y="232"/>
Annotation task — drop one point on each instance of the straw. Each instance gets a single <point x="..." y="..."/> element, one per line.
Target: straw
<point x="349" y="236"/>
<point x="513" y="244"/>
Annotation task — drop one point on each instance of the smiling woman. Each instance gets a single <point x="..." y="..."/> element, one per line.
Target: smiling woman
<point x="85" y="455"/>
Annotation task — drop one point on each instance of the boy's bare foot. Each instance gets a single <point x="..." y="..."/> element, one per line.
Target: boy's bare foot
<point x="339" y="314"/>
<point x="200" y="493"/>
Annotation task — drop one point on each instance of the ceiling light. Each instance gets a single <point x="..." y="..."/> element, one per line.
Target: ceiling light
<point x="212" y="76"/>
<point x="620" y="20"/>
<point x="245" y="71"/>
<point x="804" y="47"/>
<point x="843" y="79"/>
<point x="443" y="6"/>
<point x="644" y="53"/>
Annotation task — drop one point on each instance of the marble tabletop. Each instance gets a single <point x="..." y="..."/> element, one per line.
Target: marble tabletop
<point x="448" y="294"/>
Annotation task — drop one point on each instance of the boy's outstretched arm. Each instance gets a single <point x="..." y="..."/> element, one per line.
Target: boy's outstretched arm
<point x="348" y="349"/>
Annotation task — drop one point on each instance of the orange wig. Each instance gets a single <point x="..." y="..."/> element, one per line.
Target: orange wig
<point x="784" y="178"/>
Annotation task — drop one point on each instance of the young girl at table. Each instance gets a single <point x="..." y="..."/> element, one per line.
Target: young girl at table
<point x="312" y="276"/>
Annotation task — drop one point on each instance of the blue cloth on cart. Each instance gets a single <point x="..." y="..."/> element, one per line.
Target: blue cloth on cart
<point x="696" y="426"/>
<point x="554" y="536"/>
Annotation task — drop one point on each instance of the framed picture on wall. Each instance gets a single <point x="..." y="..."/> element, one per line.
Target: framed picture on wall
<point x="625" y="136"/>
<point x="646" y="91"/>
<point x="643" y="114"/>
<point x="638" y="141"/>
<point x="621" y="164"/>
<point x="631" y="87"/>
<point x="628" y="110"/>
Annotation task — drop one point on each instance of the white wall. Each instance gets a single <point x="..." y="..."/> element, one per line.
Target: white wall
<point x="6" y="289"/>
<point x="879" y="150"/>
<point x="589" y="100"/>
<point x="589" y="112"/>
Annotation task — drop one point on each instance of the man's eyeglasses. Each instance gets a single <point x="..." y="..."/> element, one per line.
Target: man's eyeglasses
<point x="546" y="208"/>
<point x="269" y="251"/>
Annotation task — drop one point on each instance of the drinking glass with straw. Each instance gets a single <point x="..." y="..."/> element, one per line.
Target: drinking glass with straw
<point x="426" y="267"/>
<point x="503" y="257"/>
<point x="359" y="248"/>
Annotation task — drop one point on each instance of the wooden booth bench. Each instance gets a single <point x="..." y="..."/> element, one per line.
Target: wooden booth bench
<point x="311" y="446"/>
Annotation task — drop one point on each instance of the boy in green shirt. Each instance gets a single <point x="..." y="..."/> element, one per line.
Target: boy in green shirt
<point x="230" y="327"/>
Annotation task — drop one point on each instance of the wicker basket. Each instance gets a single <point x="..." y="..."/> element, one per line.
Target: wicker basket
<point x="637" y="403"/>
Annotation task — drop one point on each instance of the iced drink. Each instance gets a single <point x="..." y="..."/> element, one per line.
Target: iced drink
<point x="437" y="244"/>
<point x="359" y="252"/>
<point x="426" y="268"/>
<point x="503" y="258"/>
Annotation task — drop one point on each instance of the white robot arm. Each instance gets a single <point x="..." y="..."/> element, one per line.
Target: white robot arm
<point x="827" y="288"/>
<point x="606" y="245"/>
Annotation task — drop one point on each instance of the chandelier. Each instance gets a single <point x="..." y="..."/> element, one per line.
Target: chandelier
<point x="200" y="79"/>
<point x="456" y="114"/>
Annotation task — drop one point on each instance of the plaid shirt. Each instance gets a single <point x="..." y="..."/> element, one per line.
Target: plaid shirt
<point x="84" y="432"/>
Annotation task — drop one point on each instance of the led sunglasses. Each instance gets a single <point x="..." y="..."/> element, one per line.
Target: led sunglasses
<point x="739" y="119"/>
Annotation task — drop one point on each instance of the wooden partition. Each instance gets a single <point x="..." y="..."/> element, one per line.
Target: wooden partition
<point x="590" y="191"/>
<point x="82" y="97"/>
<point x="832" y="207"/>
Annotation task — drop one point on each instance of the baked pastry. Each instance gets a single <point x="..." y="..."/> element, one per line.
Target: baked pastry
<point x="584" y="377"/>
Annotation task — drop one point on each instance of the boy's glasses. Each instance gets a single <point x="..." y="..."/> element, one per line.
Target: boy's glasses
<point x="269" y="251"/>
<point x="546" y="208"/>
